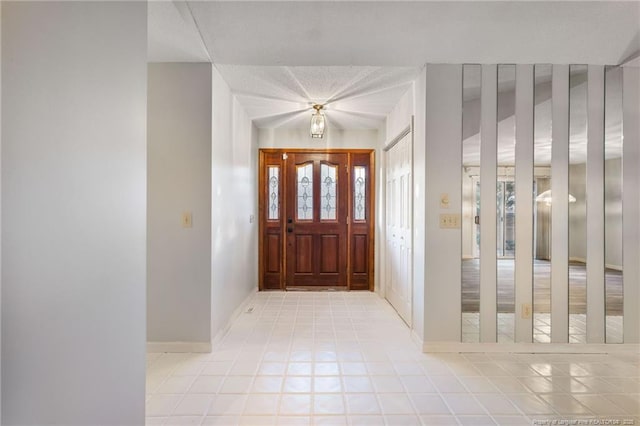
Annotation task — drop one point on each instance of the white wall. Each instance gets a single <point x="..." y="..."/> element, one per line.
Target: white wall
<point x="419" y="203"/>
<point x="442" y="295"/>
<point x="400" y="116"/>
<point x="333" y="139"/>
<point x="0" y="212"/>
<point x="234" y="243"/>
<point x="74" y="212"/>
<point x="179" y="180"/>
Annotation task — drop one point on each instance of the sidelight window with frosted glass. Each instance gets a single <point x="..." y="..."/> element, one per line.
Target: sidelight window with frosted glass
<point x="273" y="212"/>
<point x="359" y="193"/>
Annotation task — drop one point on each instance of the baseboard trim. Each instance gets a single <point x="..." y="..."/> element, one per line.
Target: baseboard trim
<point x="179" y="347"/>
<point x="542" y="348"/>
<point x="234" y="315"/>
<point x="417" y="339"/>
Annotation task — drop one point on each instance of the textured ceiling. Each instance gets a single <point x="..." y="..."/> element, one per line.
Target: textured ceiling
<point x="354" y="97"/>
<point x="359" y="57"/>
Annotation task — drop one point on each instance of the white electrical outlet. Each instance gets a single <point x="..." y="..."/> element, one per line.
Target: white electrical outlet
<point x="526" y="311"/>
<point x="449" y="221"/>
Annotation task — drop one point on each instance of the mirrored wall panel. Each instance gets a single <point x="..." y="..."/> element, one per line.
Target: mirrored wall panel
<point x="471" y="203"/>
<point x="613" y="205"/>
<point x="506" y="203"/>
<point x="578" y="113"/>
<point x="542" y="205"/>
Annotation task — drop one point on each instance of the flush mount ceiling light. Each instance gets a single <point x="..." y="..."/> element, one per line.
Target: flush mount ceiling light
<point x="546" y="198"/>
<point x="317" y="122"/>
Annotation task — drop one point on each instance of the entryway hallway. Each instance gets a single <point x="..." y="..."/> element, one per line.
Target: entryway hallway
<point x="346" y="358"/>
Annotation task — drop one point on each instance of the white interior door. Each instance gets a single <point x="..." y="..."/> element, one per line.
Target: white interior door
<point x="398" y="262"/>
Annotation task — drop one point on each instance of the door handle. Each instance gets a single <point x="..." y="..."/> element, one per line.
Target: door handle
<point x="289" y="229"/>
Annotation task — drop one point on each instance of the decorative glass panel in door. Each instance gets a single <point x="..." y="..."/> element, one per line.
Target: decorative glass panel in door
<point x="328" y="175"/>
<point x="304" y="190"/>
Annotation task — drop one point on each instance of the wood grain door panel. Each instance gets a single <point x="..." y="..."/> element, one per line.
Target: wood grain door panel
<point x="320" y="257"/>
<point x="317" y="231"/>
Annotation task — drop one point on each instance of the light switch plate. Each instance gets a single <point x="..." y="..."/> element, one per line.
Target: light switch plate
<point x="186" y="220"/>
<point x="444" y="201"/>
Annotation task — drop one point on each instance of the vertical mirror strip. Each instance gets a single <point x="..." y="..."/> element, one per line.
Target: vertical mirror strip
<point x="577" y="202"/>
<point x="506" y="202"/>
<point x="560" y="205"/>
<point x="542" y="205"/>
<point x="524" y="182"/>
<point x="613" y="220"/>
<point x="488" y="216"/>
<point x="594" y="237"/>
<point x="471" y="106"/>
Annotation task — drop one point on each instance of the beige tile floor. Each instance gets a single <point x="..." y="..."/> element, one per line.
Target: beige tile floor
<point x="347" y="359"/>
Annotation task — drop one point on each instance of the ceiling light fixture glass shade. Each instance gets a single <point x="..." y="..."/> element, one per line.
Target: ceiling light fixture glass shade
<point x="317" y="123"/>
<point x="546" y="198"/>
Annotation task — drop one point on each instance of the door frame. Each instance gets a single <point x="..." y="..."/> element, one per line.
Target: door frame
<point x="352" y="154"/>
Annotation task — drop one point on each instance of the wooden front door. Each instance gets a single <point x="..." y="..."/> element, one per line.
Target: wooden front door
<point x="316" y="214"/>
<point x="316" y="219"/>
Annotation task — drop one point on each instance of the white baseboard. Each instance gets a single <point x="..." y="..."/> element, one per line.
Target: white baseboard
<point x="179" y="347"/>
<point x="417" y="339"/>
<point x="573" y="348"/>
<point x="199" y="347"/>
<point x="235" y="314"/>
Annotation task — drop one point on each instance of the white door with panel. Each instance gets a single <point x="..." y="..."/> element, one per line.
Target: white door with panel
<point x="398" y="262"/>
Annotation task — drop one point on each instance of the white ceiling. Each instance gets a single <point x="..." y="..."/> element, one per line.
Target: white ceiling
<point x="360" y="57"/>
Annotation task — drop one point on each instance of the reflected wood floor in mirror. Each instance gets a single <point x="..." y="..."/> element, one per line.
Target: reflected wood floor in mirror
<point x="541" y="287"/>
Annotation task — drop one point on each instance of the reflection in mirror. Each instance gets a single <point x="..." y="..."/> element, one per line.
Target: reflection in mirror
<point x="471" y="203"/>
<point x="542" y="206"/>
<point x="506" y="203"/>
<point x="613" y="204"/>
<point x="578" y="204"/>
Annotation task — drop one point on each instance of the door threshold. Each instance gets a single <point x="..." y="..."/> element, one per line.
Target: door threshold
<point x="317" y="288"/>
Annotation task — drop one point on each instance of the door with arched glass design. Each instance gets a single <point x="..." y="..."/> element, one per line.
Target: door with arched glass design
<point x="316" y="216"/>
